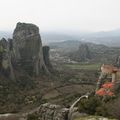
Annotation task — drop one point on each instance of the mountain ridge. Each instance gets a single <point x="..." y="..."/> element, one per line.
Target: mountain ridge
<point x="110" y="38"/>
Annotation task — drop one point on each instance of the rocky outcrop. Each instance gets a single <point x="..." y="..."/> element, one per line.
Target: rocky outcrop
<point x="84" y="52"/>
<point x="28" y="48"/>
<point x="49" y="111"/>
<point x="117" y="62"/>
<point x="46" y="57"/>
<point x="6" y="67"/>
<point x="24" y="52"/>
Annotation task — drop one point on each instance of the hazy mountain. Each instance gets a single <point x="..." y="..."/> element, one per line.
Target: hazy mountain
<point x="73" y="45"/>
<point x="113" y="41"/>
<point x="65" y="44"/>
<point x="113" y="33"/>
<point x="48" y="37"/>
<point x="110" y="38"/>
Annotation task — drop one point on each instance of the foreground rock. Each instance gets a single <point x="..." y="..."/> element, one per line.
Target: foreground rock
<point x="50" y="112"/>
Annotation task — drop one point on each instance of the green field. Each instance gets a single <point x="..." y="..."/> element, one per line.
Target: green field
<point x="84" y="66"/>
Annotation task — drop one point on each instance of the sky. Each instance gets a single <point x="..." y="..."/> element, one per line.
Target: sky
<point x="61" y="15"/>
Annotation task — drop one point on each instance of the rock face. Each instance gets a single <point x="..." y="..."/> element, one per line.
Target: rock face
<point x="46" y="56"/>
<point x="6" y="67"/>
<point x="28" y="48"/>
<point x="82" y="54"/>
<point x="117" y="62"/>
<point x="24" y="52"/>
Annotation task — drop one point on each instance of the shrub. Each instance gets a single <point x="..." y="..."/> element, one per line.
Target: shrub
<point x="95" y="106"/>
<point x="102" y="110"/>
<point x="114" y="108"/>
<point x="32" y="117"/>
<point x="89" y="105"/>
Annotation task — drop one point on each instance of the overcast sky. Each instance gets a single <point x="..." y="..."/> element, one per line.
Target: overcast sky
<point x="61" y="15"/>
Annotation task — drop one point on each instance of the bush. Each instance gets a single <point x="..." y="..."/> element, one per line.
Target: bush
<point x="114" y="108"/>
<point x="89" y="105"/>
<point x="102" y="110"/>
<point x="95" y="106"/>
<point x="32" y="117"/>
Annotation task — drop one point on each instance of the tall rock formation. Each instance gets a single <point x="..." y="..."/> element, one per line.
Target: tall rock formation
<point x="6" y="67"/>
<point x="24" y="53"/>
<point x="84" y="52"/>
<point x="27" y="48"/>
<point x="117" y="62"/>
<point x="46" y="57"/>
